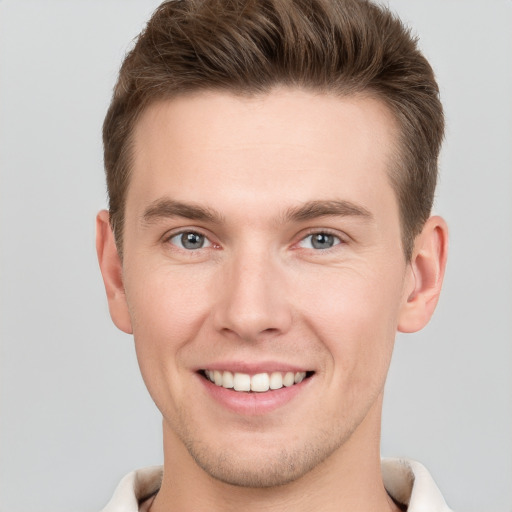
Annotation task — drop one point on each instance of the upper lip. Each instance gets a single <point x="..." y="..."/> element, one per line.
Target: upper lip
<point x="253" y="368"/>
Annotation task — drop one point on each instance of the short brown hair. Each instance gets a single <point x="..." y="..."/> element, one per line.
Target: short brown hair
<point x="249" y="46"/>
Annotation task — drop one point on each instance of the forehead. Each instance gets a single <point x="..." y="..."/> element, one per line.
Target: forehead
<point x="287" y="145"/>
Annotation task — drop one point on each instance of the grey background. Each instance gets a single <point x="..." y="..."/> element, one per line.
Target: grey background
<point x="75" y="415"/>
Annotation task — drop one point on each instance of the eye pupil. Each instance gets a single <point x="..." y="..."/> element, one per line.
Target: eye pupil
<point x="322" y="241"/>
<point x="192" y="240"/>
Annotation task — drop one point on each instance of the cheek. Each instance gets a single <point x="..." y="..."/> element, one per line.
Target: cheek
<point x="355" y="315"/>
<point x="167" y="302"/>
<point x="167" y="310"/>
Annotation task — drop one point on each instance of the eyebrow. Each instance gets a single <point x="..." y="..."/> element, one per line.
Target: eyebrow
<point x="314" y="209"/>
<point x="167" y="208"/>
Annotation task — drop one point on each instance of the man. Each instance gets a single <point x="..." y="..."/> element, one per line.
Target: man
<point x="271" y="168"/>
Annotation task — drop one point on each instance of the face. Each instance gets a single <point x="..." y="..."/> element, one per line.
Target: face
<point x="262" y="249"/>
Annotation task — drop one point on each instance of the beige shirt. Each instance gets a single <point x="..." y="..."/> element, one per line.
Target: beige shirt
<point x="407" y="481"/>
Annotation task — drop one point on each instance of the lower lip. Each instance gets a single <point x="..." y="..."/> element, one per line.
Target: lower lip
<point x="253" y="403"/>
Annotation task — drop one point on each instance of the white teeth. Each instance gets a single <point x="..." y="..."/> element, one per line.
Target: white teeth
<point x="217" y="378"/>
<point x="276" y="380"/>
<point x="242" y="382"/>
<point x="299" y="377"/>
<point x="289" y="379"/>
<point x="260" y="383"/>
<point x="227" y="380"/>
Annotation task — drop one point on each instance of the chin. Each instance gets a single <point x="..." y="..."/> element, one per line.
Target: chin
<point x="260" y="467"/>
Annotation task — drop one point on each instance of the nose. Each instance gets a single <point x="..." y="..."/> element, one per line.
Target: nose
<point x="252" y="302"/>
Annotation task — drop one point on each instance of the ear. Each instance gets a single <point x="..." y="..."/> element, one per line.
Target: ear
<point x="112" y="272"/>
<point x="425" y="275"/>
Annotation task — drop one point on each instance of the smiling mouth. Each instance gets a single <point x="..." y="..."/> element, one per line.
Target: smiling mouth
<point x="258" y="383"/>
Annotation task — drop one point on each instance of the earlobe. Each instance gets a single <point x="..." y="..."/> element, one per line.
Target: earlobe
<point x="111" y="270"/>
<point x="425" y="278"/>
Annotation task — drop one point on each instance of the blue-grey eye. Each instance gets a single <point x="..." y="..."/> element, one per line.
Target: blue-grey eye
<point x="319" y="241"/>
<point x="190" y="240"/>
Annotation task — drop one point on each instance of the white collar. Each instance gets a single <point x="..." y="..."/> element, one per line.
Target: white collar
<point x="408" y="482"/>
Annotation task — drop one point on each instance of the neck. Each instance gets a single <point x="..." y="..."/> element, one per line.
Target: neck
<point x="348" y="480"/>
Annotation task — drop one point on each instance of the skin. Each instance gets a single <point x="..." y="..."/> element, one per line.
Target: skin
<point x="258" y="291"/>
